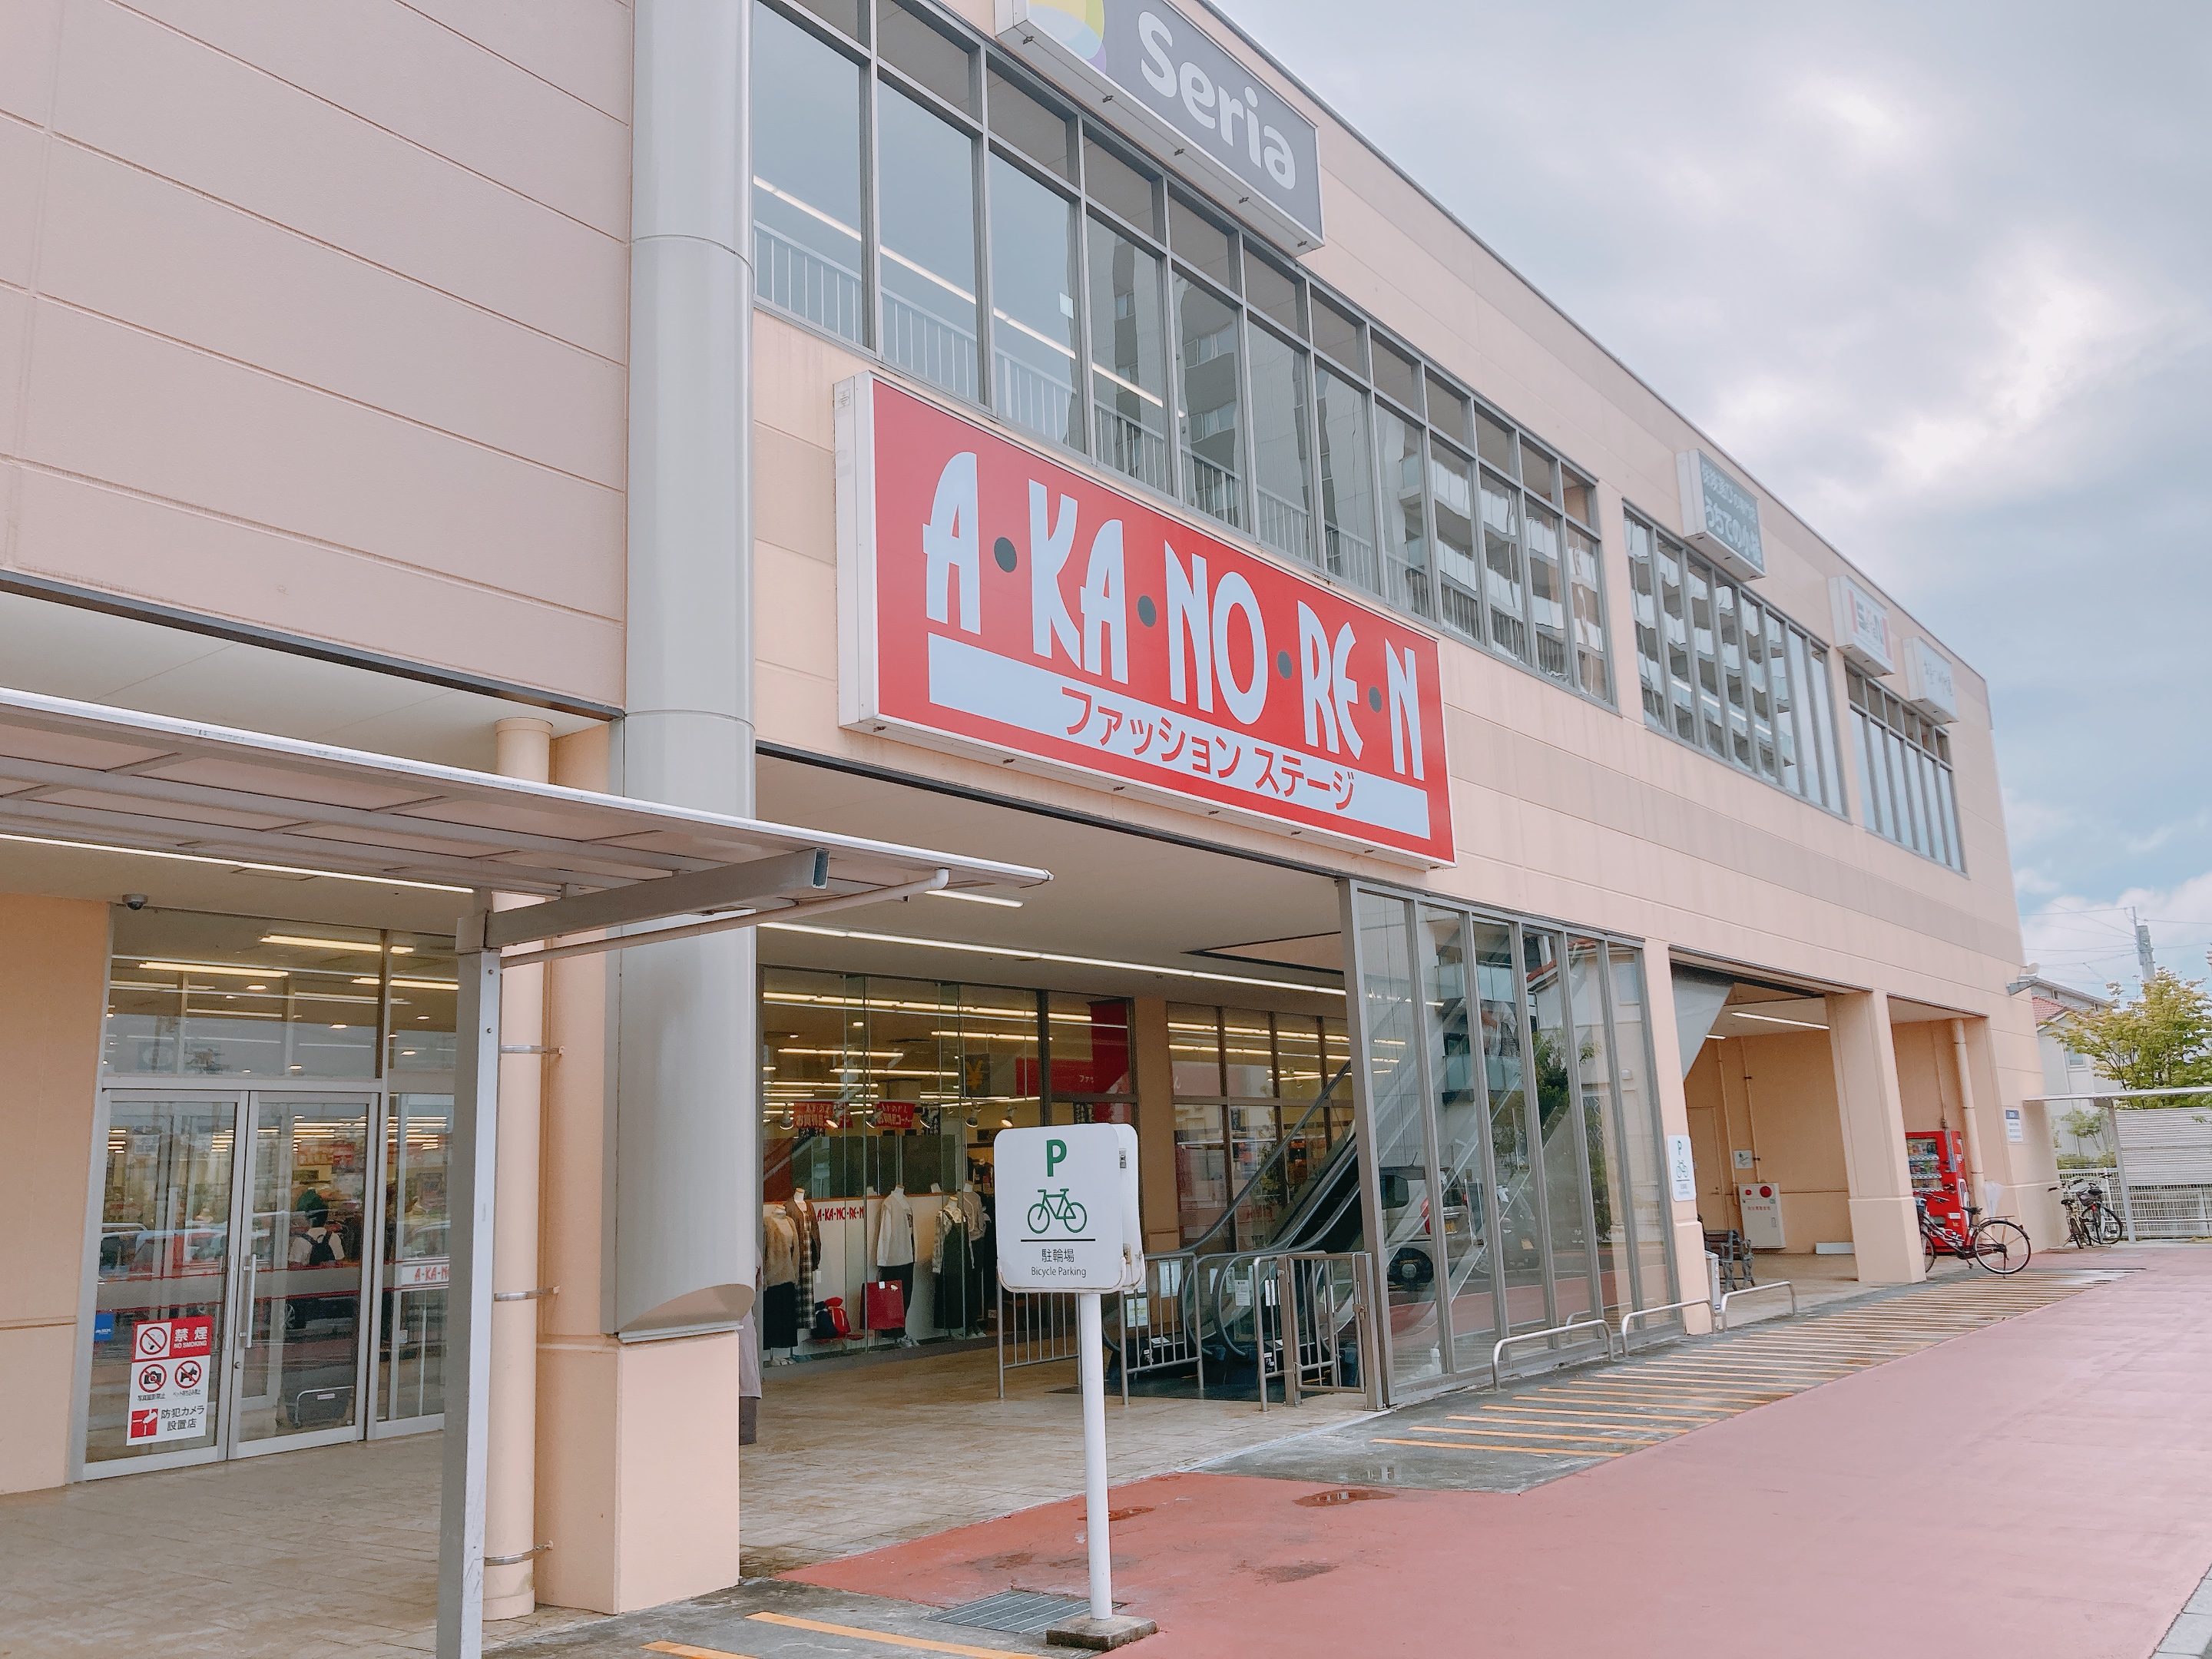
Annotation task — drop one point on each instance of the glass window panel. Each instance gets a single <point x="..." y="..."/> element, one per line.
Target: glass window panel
<point x="1650" y="1213"/>
<point x="1391" y="1017"/>
<point x="1248" y="1053"/>
<point x="1282" y="466"/>
<point x="927" y="209"/>
<point x="1951" y="821"/>
<point x="1336" y="332"/>
<point x="198" y="995"/>
<point x="1539" y="471"/>
<point x="410" y="1361"/>
<point x="1505" y="588"/>
<point x="1447" y="410"/>
<point x="1298" y="1057"/>
<point x="1875" y="820"/>
<point x="1090" y="1045"/>
<point x="1730" y="631"/>
<point x="1785" y="665"/>
<point x="907" y="42"/>
<point x="847" y="16"/>
<point x="1206" y="364"/>
<point x="1681" y="663"/>
<point x="1195" y="1048"/>
<point x="1758" y="689"/>
<point x="1463" y="1163"/>
<point x="1494" y="444"/>
<point x="1822" y="720"/>
<point x="1560" y="1127"/>
<point x="1704" y="636"/>
<point x="1588" y="599"/>
<point x="1651" y="665"/>
<point x="806" y="176"/>
<point x="1547" y="608"/>
<point x="1347" y="484"/>
<point x="1451" y="494"/>
<point x="1405" y="535"/>
<point x="1129" y="358"/>
<point x="1120" y="188"/>
<point x="165" y="1207"/>
<point x="1255" y="1177"/>
<point x="1200" y="243"/>
<point x="1033" y="338"/>
<point x="1592" y="1065"/>
<point x="1579" y="496"/>
<point x="1514" y="1172"/>
<point x="1272" y="292"/>
<point x="1039" y="132"/>
<point x="1201" y="1169"/>
<point x="1396" y="377"/>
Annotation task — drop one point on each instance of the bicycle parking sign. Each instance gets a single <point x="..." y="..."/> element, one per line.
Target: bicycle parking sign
<point x="1066" y="1204"/>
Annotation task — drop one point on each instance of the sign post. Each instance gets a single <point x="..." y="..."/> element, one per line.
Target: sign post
<point x="1067" y="1220"/>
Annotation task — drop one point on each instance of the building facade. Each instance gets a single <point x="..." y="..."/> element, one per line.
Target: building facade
<point x="1489" y="829"/>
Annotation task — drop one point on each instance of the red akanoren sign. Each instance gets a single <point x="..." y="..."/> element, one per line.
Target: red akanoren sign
<point x="995" y="601"/>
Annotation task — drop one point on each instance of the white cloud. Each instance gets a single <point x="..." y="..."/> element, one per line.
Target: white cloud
<point x="2090" y="942"/>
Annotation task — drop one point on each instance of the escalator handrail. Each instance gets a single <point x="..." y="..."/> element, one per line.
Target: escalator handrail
<point x="1282" y="1150"/>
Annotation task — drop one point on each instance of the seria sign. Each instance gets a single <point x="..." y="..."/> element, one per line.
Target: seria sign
<point x="996" y="603"/>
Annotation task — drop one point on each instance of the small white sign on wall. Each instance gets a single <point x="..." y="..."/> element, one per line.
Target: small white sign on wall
<point x="2013" y="1127"/>
<point x="1682" y="1170"/>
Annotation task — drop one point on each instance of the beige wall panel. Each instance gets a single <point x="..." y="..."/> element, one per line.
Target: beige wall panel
<point x="410" y="75"/>
<point x="578" y="1455"/>
<point x="22" y="161"/>
<point x="676" y="1417"/>
<point x="130" y="246"/>
<point x="581" y="46"/>
<point x="15" y="307"/>
<point x="110" y="403"/>
<point x="33" y="40"/>
<point x="79" y="533"/>
<point x="137" y="91"/>
<point x="1789" y="1083"/>
<point x="794" y="374"/>
<point x="788" y="589"/>
<point x="54" y="979"/>
<point x="799" y="510"/>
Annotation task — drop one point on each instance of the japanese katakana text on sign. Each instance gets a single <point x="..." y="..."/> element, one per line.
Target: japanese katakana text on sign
<point x="995" y="600"/>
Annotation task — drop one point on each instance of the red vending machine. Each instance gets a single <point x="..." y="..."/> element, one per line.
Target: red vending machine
<point x="1938" y="1159"/>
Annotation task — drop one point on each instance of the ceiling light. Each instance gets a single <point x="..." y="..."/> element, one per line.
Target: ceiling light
<point x="213" y="968"/>
<point x="370" y="945"/>
<point x="1777" y="1019"/>
<point x="974" y="898"/>
<point x="1023" y="955"/>
<point x="231" y="864"/>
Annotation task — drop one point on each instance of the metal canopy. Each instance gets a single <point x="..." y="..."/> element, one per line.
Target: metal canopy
<point x="85" y="772"/>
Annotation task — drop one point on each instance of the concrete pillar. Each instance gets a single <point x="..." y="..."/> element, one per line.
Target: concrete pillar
<point x="1669" y="1066"/>
<point x="510" y="1479"/>
<point x="53" y="994"/>
<point x="1155" y="1084"/>
<point x="1885" y="1228"/>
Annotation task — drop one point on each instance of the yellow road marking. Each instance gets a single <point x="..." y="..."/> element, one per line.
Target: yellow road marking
<point x="683" y="1652"/>
<point x="921" y="1643"/>
<point x="1556" y="1433"/>
<point x="1525" y="1451"/>
<point x="1560" y="1431"/>
<point x="1620" y="1414"/>
<point x="1677" y="1397"/>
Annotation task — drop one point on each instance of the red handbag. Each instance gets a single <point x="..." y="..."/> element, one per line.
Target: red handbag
<point x="886" y="1307"/>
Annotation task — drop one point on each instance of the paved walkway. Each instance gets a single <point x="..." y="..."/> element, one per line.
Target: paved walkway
<point x="2036" y="1489"/>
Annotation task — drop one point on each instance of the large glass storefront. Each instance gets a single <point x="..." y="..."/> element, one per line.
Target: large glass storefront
<point x="1247" y="1082"/>
<point x="880" y="1099"/>
<point x="1515" y="1134"/>
<point x="270" y="1261"/>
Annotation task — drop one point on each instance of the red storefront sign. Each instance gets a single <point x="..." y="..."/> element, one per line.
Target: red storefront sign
<point x="993" y="601"/>
<point x="895" y="1115"/>
<point x="814" y="1114"/>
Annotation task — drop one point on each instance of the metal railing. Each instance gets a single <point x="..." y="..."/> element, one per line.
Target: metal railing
<point x="1719" y="1314"/>
<point x="1129" y="446"/>
<point x="1038" y="398"/>
<point x="931" y="347"/>
<point x="790" y="275"/>
<point x="1160" y="1329"/>
<point x="1585" y="1322"/>
<point x="1210" y="489"/>
<point x="1038" y="1328"/>
<point x="1635" y="1314"/>
<point x="1323" y="1336"/>
<point x="1284" y="525"/>
<point x="1352" y="558"/>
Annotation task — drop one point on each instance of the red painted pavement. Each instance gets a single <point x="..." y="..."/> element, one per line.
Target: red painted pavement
<point x="2041" y="1489"/>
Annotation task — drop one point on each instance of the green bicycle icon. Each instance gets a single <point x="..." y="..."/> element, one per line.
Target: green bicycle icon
<point x="1053" y="1207"/>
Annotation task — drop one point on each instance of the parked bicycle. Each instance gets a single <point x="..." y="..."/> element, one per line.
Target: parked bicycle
<point x="1999" y="1245"/>
<point x="2088" y="1221"/>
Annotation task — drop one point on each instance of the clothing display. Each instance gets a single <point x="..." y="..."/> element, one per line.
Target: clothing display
<point x="895" y="1231"/>
<point x="956" y="1303"/>
<point x="779" y="1248"/>
<point x="800" y="1213"/>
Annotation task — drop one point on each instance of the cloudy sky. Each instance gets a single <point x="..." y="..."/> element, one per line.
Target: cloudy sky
<point x="1941" y="277"/>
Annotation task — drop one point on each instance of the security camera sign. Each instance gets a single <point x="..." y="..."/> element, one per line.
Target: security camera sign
<point x="169" y="1364"/>
<point x="1065" y="1197"/>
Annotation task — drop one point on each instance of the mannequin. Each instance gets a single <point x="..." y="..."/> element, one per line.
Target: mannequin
<point x="951" y="1252"/>
<point x="801" y="1211"/>
<point x="779" y="1272"/>
<point x="894" y="1248"/>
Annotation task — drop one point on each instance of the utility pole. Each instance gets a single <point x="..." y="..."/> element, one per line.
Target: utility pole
<point x="2144" y="960"/>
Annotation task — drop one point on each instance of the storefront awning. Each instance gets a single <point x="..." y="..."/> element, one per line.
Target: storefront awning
<point x="109" y="777"/>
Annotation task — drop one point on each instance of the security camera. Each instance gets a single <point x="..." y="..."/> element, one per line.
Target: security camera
<point x="134" y="900"/>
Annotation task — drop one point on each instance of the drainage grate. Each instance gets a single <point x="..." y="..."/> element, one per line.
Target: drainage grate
<point x="1018" y="1613"/>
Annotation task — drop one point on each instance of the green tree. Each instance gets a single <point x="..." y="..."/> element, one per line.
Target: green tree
<point x="2162" y="1040"/>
